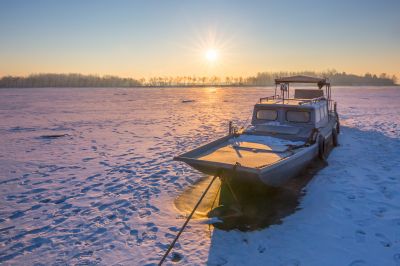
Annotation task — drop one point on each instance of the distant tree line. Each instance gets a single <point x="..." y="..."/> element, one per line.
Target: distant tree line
<point x="336" y="78"/>
<point x="66" y="80"/>
<point x="261" y="79"/>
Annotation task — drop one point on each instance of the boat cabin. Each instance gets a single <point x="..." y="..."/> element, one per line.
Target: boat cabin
<point x="296" y="115"/>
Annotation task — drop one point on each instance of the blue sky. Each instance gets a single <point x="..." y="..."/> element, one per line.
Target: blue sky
<point x="150" y="38"/>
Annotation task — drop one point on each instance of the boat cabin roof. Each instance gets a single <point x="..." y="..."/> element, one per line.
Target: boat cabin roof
<point x="302" y="79"/>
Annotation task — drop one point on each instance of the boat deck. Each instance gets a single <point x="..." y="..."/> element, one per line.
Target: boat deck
<point x="249" y="151"/>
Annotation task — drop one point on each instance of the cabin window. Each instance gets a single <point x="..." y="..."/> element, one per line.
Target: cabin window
<point x="267" y="114"/>
<point x="298" y="116"/>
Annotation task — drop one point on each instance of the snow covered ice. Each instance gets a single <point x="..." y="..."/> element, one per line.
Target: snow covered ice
<point x="87" y="177"/>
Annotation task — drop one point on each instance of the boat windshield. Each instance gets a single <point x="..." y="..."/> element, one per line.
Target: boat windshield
<point x="298" y="116"/>
<point x="267" y="114"/>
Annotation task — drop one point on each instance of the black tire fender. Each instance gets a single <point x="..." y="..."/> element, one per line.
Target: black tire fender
<point x="321" y="147"/>
<point x="338" y="127"/>
<point x="335" y="140"/>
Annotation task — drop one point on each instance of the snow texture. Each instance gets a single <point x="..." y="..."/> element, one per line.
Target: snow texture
<point x="266" y="140"/>
<point x="87" y="178"/>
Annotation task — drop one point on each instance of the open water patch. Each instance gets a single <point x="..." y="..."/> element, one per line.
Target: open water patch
<point x="253" y="207"/>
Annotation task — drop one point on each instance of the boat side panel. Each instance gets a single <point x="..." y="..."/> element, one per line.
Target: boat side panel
<point x="326" y="131"/>
<point x="278" y="174"/>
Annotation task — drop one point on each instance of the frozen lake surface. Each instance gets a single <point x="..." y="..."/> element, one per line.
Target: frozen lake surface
<point x="87" y="177"/>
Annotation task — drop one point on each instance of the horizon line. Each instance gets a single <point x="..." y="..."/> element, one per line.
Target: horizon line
<point x="321" y="73"/>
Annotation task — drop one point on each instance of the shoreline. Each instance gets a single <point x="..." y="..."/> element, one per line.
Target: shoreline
<point x="191" y="86"/>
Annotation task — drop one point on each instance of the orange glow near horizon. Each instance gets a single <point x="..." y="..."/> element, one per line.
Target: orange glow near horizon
<point x="204" y="53"/>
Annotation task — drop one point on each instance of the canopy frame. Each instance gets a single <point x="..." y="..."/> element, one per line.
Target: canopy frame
<point x="285" y="82"/>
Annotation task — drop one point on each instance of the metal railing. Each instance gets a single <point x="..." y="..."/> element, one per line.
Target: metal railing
<point x="300" y="101"/>
<point x="270" y="98"/>
<point x="311" y="101"/>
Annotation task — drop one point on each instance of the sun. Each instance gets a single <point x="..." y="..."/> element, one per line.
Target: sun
<point x="211" y="55"/>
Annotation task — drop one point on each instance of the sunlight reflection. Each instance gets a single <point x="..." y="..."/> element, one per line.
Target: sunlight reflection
<point x="184" y="203"/>
<point x="211" y="89"/>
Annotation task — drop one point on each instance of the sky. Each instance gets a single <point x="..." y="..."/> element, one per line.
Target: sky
<point x="170" y="38"/>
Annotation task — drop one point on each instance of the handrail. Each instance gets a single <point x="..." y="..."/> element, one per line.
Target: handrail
<point x="301" y="101"/>
<point x="268" y="98"/>
<point x="314" y="100"/>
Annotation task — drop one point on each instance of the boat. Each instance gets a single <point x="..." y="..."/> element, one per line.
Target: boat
<point x="288" y="131"/>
